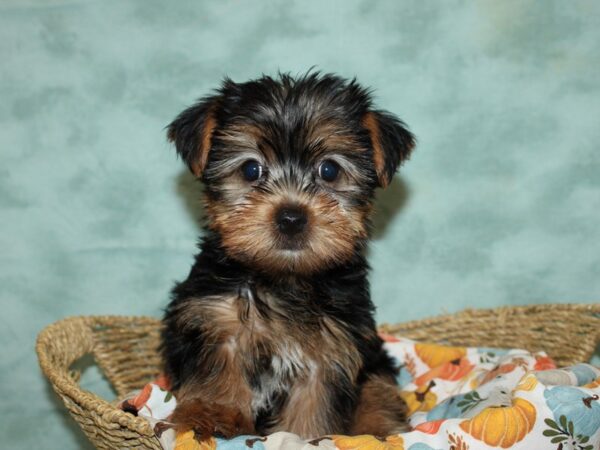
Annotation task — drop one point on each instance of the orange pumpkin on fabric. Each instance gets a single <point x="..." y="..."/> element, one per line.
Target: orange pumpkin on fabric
<point x="388" y="338"/>
<point x="435" y="355"/>
<point x="187" y="441"/>
<point x="451" y="371"/>
<point x="544" y="363"/>
<point x="431" y="427"/>
<point x="420" y="400"/>
<point x="163" y="382"/>
<point x="368" y="442"/>
<point x="500" y="370"/>
<point x="593" y="384"/>
<point x="502" y="426"/>
<point x="527" y="383"/>
<point x="140" y="400"/>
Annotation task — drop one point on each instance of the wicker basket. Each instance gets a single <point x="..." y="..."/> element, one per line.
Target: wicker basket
<point x="125" y="349"/>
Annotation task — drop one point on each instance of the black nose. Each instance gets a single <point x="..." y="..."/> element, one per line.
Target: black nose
<point x="291" y="220"/>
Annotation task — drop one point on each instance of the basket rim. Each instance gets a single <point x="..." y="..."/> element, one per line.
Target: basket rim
<point x="67" y="385"/>
<point x="64" y="383"/>
<point x="504" y="312"/>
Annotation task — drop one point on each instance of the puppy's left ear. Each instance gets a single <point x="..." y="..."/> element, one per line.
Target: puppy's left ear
<point x="192" y="133"/>
<point x="391" y="141"/>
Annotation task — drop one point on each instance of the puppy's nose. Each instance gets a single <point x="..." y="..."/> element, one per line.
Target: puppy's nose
<point x="291" y="220"/>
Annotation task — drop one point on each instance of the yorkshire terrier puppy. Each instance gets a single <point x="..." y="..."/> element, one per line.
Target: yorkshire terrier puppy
<point x="273" y="329"/>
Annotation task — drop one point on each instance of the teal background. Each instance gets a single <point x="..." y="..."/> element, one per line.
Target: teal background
<point x="499" y="205"/>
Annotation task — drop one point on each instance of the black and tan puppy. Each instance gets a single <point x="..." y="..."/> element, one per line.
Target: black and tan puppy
<point x="273" y="329"/>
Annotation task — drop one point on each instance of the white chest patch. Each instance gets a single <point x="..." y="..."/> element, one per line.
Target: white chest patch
<point x="288" y="367"/>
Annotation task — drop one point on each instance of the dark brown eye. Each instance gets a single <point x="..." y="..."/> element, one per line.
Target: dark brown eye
<point x="252" y="170"/>
<point x="329" y="170"/>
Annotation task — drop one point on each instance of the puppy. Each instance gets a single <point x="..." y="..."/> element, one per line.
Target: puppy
<point x="273" y="329"/>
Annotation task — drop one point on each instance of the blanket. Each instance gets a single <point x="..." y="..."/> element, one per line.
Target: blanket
<point x="458" y="398"/>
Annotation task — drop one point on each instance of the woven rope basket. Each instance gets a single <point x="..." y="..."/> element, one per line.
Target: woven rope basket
<point x="125" y="348"/>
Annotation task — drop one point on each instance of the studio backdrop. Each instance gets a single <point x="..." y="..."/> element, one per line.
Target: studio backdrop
<point x="498" y="205"/>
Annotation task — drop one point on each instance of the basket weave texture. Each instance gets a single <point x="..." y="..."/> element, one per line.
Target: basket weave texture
<point x="125" y="348"/>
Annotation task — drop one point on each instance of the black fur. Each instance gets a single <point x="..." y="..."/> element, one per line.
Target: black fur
<point x="284" y="109"/>
<point x="341" y="293"/>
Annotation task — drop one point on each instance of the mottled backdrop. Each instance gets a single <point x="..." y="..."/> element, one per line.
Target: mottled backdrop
<point x="500" y="203"/>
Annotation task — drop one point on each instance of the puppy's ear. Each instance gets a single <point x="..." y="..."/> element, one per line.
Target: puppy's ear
<point x="391" y="141"/>
<point x="192" y="133"/>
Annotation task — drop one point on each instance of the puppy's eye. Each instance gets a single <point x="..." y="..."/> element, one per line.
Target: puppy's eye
<point x="252" y="170"/>
<point x="329" y="170"/>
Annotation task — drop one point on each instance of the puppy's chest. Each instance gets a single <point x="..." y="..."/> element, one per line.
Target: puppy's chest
<point x="267" y="339"/>
<point x="275" y="374"/>
<point x="278" y="351"/>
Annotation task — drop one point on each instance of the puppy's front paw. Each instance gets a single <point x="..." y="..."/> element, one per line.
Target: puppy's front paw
<point x="210" y="419"/>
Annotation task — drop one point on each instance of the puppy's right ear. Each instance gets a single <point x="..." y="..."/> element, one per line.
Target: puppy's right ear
<point x="392" y="143"/>
<point x="192" y="133"/>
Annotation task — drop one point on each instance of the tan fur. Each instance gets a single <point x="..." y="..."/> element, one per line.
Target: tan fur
<point x="306" y="413"/>
<point x="333" y="136"/>
<point x="208" y="418"/>
<point x="249" y="232"/>
<point x="370" y="123"/>
<point x="309" y="356"/>
<point x="380" y="409"/>
<point x="257" y="360"/>
<point x="246" y="219"/>
<point x="199" y="163"/>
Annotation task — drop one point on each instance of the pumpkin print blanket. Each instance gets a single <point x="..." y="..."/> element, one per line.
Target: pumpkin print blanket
<point x="458" y="398"/>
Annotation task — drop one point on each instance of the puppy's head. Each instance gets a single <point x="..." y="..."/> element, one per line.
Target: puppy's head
<point x="290" y="166"/>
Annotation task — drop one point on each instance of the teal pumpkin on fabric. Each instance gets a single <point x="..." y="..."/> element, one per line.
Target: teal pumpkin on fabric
<point x="404" y="377"/>
<point x="447" y="409"/>
<point x="241" y="442"/>
<point x="576" y="405"/>
<point x="492" y="352"/>
<point x="420" y="446"/>
<point x="585" y="373"/>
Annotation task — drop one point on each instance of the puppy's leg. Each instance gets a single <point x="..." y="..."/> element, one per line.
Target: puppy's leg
<point x="380" y="410"/>
<point x="317" y="408"/>
<point x="216" y="402"/>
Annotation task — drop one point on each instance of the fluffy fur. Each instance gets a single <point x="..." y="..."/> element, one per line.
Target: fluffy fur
<point x="272" y="331"/>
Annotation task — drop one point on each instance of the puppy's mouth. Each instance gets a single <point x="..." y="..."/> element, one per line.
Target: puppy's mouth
<point x="292" y="244"/>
